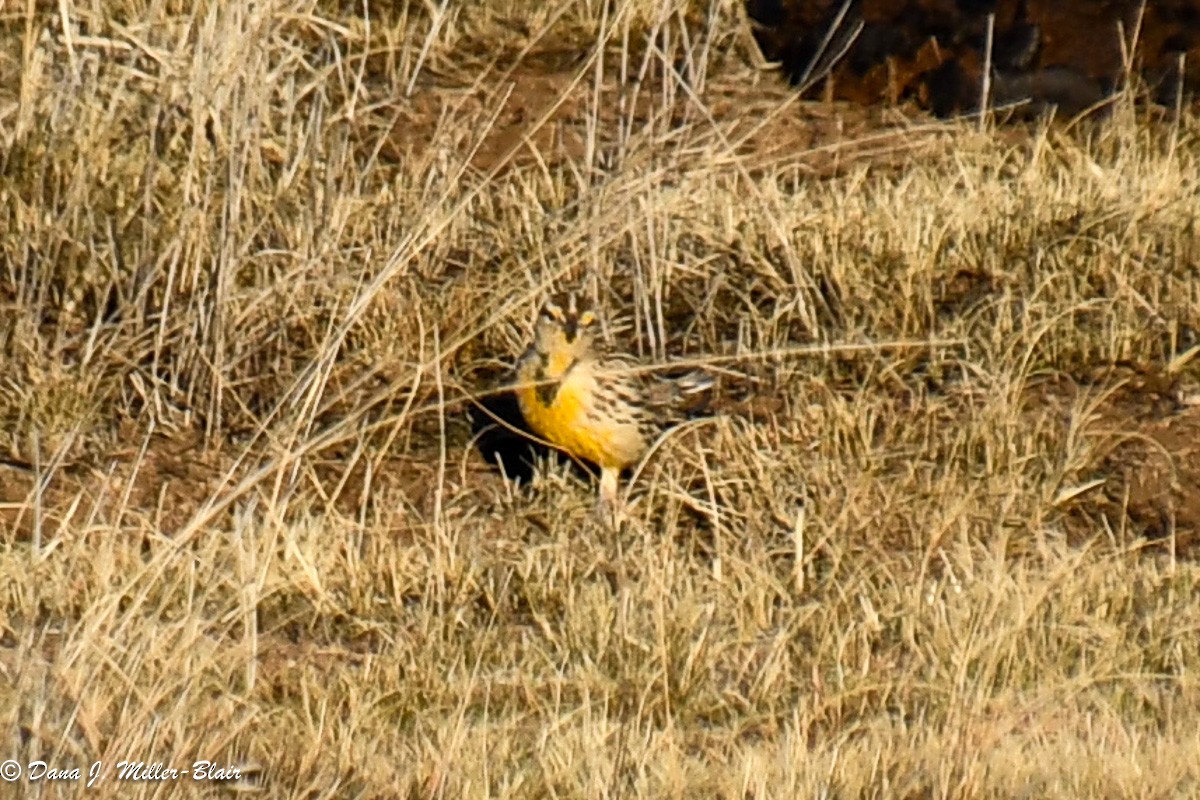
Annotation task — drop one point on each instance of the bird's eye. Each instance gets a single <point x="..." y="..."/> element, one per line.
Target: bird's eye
<point x="587" y="319"/>
<point x="553" y="313"/>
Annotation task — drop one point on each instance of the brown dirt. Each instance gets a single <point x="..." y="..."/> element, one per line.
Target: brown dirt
<point x="1147" y="455"/>
<point x="758" y="118"/>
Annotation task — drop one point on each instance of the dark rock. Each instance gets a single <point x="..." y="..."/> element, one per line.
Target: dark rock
<point x="1065" y="54"/>
<point x="1017" y="47"/>
<point x="1042" y="90"/>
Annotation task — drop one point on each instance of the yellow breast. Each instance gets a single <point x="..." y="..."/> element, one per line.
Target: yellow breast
<point x="572" y="421"/>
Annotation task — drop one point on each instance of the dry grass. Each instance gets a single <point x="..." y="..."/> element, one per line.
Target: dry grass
<point x="254" y="257"/>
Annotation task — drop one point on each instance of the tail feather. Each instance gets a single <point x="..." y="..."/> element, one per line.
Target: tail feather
<point x="681" y="396"/>
<point x="694" y="382"/>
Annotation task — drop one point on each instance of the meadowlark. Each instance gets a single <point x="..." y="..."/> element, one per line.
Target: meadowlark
<point x="595" y="406"/>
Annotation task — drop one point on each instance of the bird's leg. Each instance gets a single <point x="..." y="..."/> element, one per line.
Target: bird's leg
<point x="608" y="484"/>
<point x="609" y="506"/>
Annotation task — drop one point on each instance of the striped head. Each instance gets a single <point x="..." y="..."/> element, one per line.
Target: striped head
<point x="565" y="332"/>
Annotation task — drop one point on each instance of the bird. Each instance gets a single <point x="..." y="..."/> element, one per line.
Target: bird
<point x="595" y="406"/>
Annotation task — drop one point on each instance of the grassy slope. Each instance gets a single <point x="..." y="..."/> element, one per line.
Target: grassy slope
<point x="250" y="260"/>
